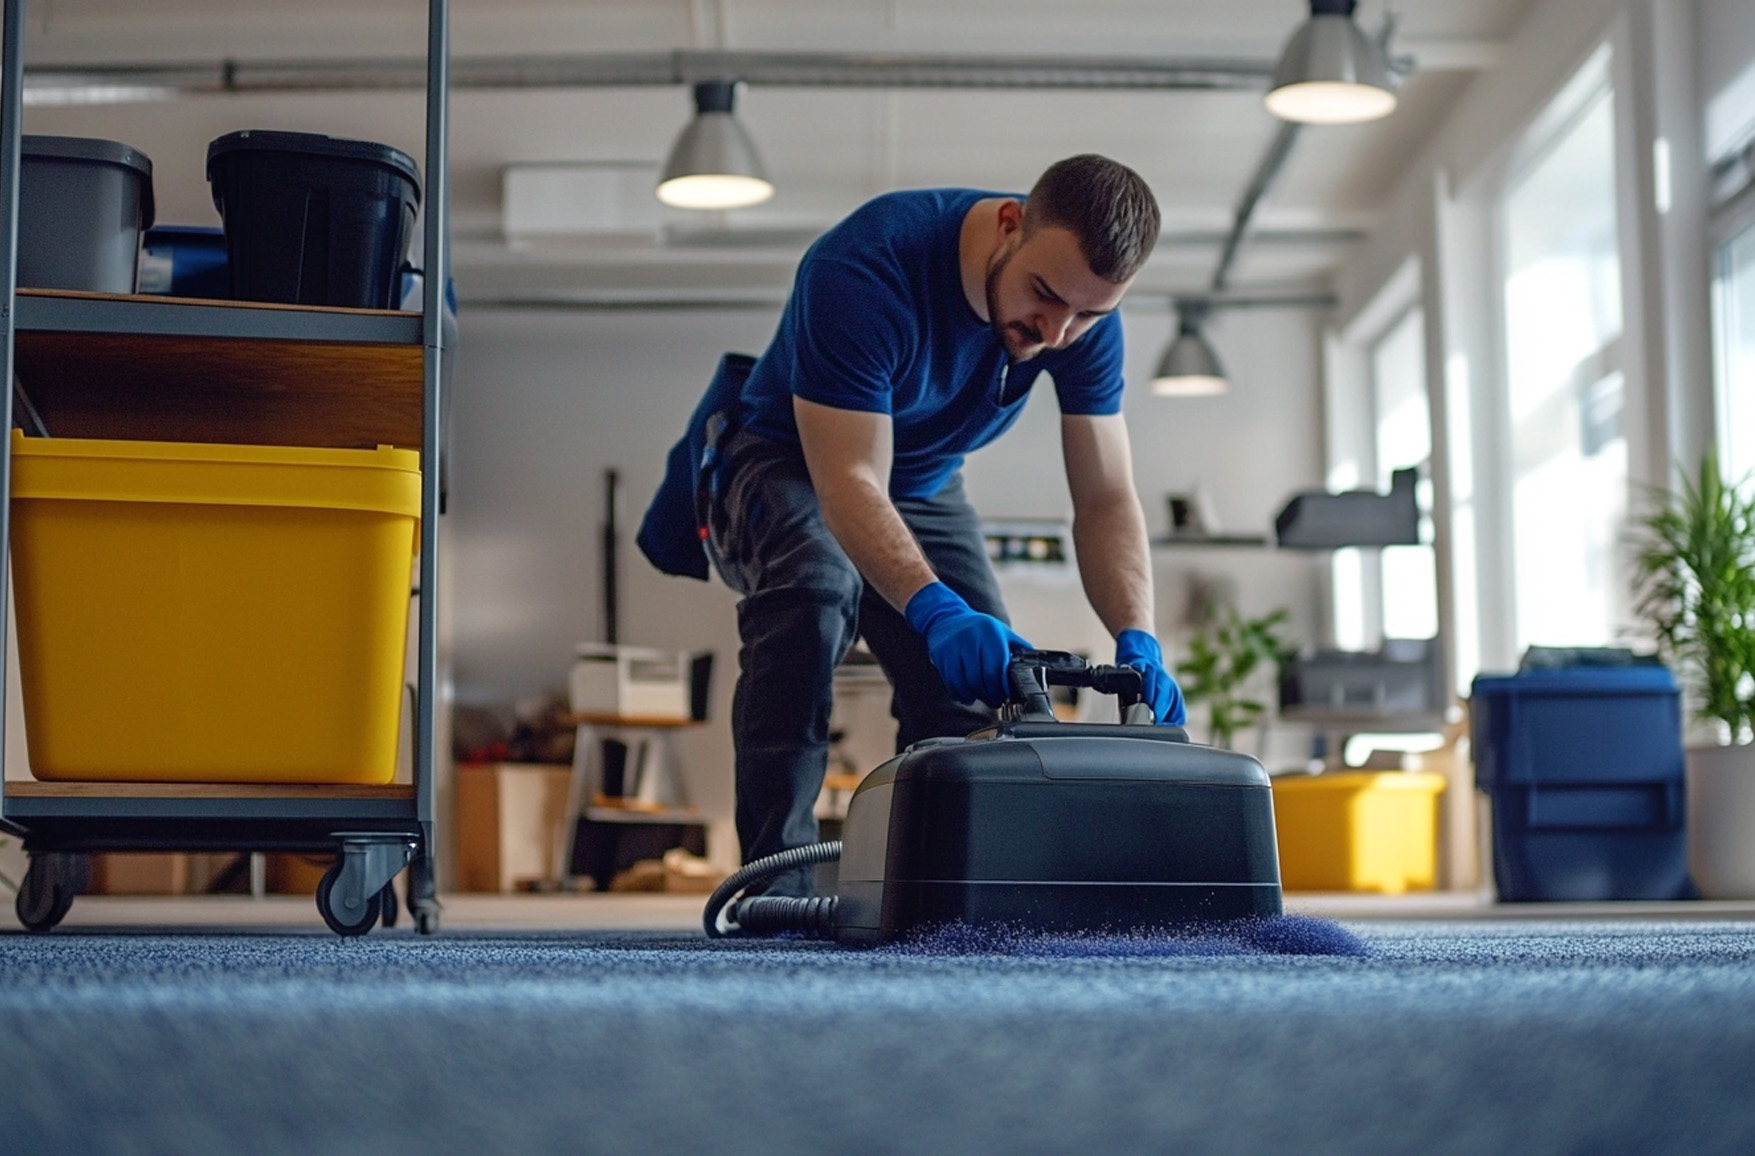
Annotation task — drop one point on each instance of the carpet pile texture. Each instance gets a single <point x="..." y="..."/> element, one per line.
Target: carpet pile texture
<point x="1479" y="1037"/>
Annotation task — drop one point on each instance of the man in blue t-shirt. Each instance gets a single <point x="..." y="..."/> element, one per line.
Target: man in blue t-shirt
<point x="823" y="479"/>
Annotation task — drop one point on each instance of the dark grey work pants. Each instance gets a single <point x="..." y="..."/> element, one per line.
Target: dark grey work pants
<point x="803" y="606"/>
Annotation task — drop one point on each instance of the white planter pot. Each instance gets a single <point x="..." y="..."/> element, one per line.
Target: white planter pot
<point x="1721" y="820"/>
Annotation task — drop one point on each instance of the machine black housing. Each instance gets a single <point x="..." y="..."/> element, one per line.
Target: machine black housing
<point x="1058" y="826"/>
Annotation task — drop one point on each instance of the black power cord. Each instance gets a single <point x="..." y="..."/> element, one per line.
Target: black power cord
<point x="769" y="914"/>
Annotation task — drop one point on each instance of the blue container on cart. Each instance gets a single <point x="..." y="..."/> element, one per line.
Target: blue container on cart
<point x="185" y="261"/>
<point x="1584" y="768"/>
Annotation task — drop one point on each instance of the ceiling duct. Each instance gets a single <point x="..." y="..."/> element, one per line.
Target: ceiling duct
<point x="682" y="67"/>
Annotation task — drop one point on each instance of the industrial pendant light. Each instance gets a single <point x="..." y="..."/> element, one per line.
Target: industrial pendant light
<point x="713" y="164"/>
<point x="1330" y="73"/>
<point x="1189" y="367"/>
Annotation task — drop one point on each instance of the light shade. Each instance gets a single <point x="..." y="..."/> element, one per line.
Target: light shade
<point x="1329" y="73"/>
<point x="714" y="164"/>
<point x="1189" y="367"/>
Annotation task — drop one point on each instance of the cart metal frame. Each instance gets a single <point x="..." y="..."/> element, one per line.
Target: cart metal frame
<point x="376" y="832"/>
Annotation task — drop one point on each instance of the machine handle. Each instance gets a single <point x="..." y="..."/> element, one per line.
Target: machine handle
<point x="1030" y="701"/>
<point x="1032" y="672"/>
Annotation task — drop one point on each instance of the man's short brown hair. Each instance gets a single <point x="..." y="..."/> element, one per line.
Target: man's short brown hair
<point x="1105" y="205"/>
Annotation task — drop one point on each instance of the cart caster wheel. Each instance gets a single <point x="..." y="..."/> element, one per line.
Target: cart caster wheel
<point x="423" y="900"/>
<point x="338" y="923"/>
<point x="50" y="885"/>
<point x="387" y="902"/>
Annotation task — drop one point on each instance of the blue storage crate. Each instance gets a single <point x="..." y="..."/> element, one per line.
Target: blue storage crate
<point x="185" y="261"/>
<point x="1584" y="767"/>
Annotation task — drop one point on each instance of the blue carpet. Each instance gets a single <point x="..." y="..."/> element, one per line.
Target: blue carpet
<point x="1439" y="1038"/>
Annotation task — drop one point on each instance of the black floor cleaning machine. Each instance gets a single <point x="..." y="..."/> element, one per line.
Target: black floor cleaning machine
<point x="1037" y="825"/>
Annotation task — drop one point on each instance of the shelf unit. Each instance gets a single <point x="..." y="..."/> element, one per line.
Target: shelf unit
<point x="1331" y="723"/>
<point x="168" y="369"/>
<point x="665" y="804"/>
<point x="1212" y="541"/>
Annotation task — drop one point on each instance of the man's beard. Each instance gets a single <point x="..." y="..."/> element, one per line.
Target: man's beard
<point x="1007" y="332"/>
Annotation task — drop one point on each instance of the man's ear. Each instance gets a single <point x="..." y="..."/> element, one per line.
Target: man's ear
<point x="1010" y="218"/>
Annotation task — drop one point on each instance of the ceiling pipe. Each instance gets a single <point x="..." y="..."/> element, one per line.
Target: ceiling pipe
<point x="1210" y="301"/>
<point x="684" y="66"/>
<point x="1266" y="171"/>
<point x="1189" y="366"/>
<point x="788" y="240"/>
<point x="774" y="298"/>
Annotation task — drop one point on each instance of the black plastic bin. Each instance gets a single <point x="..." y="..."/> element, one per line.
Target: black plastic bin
<point x="313" y="219"/>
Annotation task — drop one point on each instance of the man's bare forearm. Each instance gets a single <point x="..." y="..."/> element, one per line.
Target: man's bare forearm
<point x="1109" y="528"/>
<point x="848" y="454"/>
<point x="865" y="522"/>
<point x="1115" y="565"/>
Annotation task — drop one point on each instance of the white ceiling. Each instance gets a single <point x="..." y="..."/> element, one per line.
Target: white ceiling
<point x="826" y="149"/>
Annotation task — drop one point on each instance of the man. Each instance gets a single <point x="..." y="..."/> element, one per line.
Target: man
<point x="823" y="479"/>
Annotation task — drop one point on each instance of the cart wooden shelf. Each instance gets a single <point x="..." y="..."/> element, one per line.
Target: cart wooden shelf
<point x="35" y="803"/>
<point x="203" y="816"/>
<point x="168" y="369"/>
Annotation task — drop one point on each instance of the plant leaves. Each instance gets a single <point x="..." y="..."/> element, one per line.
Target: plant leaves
<point x="1694" y="584"/>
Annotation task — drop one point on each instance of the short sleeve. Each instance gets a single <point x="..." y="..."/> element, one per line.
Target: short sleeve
<point x="1088" y="375"/>
<point x="853" y="331"/>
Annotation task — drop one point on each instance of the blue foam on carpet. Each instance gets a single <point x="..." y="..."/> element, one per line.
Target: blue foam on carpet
<point x="1267" y="935"/>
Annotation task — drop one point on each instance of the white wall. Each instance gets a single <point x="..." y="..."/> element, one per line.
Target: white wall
<point x="545" y="400"/>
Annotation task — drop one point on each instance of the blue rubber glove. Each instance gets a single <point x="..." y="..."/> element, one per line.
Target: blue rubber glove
<point x="1140" y="650"/>
<point x="971" y="650"/>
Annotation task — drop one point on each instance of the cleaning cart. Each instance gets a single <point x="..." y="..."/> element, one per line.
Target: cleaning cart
<point x="270" y="722"/>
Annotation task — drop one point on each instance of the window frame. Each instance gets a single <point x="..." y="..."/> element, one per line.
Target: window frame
<point x="1730" y="221"/>
<point x="1601" y="75"/>
<point x="1352" y="416"/>
<point x="1414" y="310"/>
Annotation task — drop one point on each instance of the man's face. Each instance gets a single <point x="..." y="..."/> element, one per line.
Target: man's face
<point x="1042" y="295"/>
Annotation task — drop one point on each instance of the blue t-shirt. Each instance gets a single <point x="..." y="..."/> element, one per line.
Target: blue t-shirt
<point x="877" y="321"/>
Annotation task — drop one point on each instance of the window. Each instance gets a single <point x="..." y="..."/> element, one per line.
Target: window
<point x="1404" y="439"/>
<point x="1561" y="298"/>
<point x="1734" y="307"/>
<point x="1379" y="421"/>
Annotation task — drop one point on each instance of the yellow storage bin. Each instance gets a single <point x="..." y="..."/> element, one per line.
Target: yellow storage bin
<point x="1358" y="830"/>
<point x="212" y="613"/>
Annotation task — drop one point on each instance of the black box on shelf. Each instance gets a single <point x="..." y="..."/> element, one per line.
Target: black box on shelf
<point x="1404" y="676"/>
<point x="1317" y="520"/>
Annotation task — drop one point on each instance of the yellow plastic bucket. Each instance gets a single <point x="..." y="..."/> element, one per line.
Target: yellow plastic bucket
<point x="1358" y="830"/>
<point x="212" y="613"/>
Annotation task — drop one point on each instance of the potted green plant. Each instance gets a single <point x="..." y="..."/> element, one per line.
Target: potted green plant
<point x="1224" y="657"/>
<point x="1694" y="572"/>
